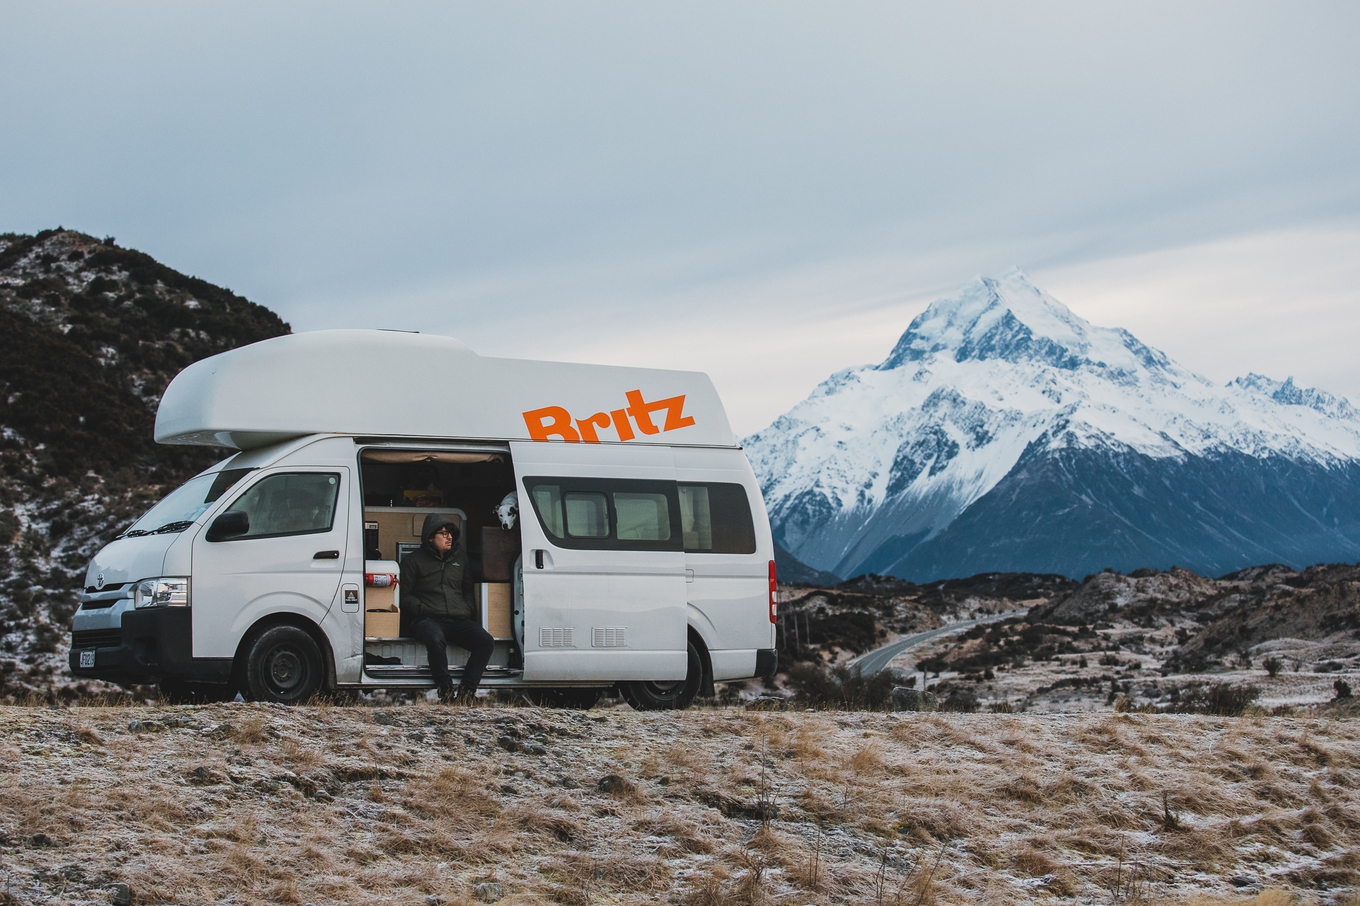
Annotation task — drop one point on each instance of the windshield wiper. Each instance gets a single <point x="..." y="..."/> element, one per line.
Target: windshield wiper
<point x="171" y="527"/>
<point x="135" y="533"/>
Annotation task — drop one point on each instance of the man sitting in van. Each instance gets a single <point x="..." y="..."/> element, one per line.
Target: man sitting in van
<point x="436" y="607"/>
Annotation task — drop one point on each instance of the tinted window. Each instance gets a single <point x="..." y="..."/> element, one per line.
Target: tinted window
<point x="290" y="503"/>
<point x="643" y="517"/>
<point x="587" y="514"/>
<point x="716" y="519"/>
<point x="607" y="514"/>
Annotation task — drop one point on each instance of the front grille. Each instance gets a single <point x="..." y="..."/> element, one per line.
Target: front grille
<point x="113" y="586"/>
<point x="97" y="638"/>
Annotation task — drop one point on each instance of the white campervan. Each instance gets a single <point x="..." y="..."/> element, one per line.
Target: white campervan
<point x="641" y="558"/>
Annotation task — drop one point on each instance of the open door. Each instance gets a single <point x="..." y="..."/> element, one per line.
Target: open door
<point x="603" y="563"/>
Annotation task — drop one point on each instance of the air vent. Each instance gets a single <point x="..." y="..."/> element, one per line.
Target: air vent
<point x="609" y="637"/>
<point x="557" y="638"/>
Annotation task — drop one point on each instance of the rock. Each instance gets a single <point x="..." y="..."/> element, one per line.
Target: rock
<point x="1245" y="881"/>
<point x="533" y="749"/>
<point x="613" y="784"/>
<point x="488" y="891"/>
<point x="907" y="699"/>
<point x="40" y="840"/>
<point x="386" y="718"/>
<point x="509" y="743"/>
<point x="323" y="796"/>
<point x="120" y="895"/>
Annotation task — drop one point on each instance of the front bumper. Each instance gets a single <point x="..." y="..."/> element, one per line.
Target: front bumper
<point x="144" y="646"/>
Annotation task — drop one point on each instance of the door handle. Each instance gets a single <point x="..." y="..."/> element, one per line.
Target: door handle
<point x="538" y="559"/>
<point x="326" y="555"/>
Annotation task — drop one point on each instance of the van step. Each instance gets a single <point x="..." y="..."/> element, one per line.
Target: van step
<point x="411" y="672"/>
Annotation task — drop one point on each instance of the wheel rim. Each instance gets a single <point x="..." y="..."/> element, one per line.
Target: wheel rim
<point x="285" y="670"/>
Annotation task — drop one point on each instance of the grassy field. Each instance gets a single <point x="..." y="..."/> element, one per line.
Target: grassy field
<point x="425" y="804"/>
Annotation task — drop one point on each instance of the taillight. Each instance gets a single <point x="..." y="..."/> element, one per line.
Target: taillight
<point x="774" y="590"/>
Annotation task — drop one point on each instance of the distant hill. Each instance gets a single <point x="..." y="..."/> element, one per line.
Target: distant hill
<point x="1005" y="433"/>
<point x="90" y="334"/>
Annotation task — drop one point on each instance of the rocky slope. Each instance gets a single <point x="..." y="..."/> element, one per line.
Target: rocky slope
<point x="90" y="334"/>
<point x="1151" y="638"/>
<point x="1006" y="433"/>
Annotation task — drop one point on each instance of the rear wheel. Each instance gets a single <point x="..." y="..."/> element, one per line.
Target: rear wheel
<point x="283" y="664"/>
<point x="645" y="695"/>
<point x="577" y="699"/>
<point x="182" y="692"/>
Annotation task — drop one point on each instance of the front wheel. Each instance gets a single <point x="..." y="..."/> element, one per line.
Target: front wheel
<point x="283" y="664"/>
<point x="645" y="695"/>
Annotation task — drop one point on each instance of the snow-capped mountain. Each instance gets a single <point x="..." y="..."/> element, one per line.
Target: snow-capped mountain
<point x="1004" y="432"/>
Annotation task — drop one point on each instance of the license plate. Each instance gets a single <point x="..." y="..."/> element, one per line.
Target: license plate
<point x="87" y="658"/>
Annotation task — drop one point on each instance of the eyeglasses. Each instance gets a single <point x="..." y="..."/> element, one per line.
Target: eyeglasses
<point x="444" y="531"/>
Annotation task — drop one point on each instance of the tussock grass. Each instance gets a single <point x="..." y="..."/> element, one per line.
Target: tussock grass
<point x="258" y="804"/>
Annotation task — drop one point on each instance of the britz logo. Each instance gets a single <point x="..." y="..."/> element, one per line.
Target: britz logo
<point x="554" y="421"/>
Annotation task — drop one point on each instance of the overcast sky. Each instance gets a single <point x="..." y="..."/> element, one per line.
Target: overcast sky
<point x="767" y="192"/>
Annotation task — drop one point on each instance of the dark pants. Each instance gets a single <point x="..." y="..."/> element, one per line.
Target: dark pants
<point x="466" y="634"/>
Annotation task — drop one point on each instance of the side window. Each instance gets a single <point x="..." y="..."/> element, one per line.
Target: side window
<point x="716" y="519"/>
<point x="587" y="514"/>
<point x="290" y="503"/>
<point x="607" y="514"/>
<point x="643" y="517"/>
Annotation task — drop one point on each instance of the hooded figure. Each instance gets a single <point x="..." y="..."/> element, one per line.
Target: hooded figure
<point x="436" y="608"/>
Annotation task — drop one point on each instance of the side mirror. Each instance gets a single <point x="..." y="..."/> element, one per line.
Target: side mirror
<point x="231" y="524"/>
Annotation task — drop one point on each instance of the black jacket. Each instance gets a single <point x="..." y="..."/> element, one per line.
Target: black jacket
<point x="435" y="586"/>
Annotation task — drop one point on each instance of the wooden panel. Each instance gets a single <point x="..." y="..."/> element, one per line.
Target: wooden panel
<point x="404" y="524"/>
<point x="499" y="550"/>
<point x="496" y="605"/>
<point x="382" y="624"/>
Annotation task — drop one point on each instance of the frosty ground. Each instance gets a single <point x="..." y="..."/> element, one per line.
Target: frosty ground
<point x="422" y="803"/>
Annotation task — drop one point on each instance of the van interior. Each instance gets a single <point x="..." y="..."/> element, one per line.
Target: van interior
<point x="401" y="487"/>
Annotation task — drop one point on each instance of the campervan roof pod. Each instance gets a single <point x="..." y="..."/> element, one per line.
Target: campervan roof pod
<point x="393" y="384"/>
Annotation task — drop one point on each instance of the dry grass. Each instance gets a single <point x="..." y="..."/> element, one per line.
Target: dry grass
<point x="258" y="804"/>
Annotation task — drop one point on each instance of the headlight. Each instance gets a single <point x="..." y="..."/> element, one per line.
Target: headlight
<point x="166" y="592"/>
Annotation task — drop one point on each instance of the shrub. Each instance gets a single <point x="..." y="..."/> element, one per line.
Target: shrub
<point x="1272" y="665"/>
<point x="1221" y="699"/>
<point x="1343" y="690"/>
<point x="842" y="687"/>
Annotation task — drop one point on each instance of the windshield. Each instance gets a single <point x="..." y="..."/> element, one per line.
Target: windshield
<point x="185" y="504"/>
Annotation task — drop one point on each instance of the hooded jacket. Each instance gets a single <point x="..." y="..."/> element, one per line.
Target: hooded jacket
<point x="433" y="585"/>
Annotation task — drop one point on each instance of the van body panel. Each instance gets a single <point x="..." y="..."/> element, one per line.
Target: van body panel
<point x="236" y="582"/>
<point x="733" y="663"/>
<point x="583" y="599"/>
<point x="127" y="560"/>
<point x="730" y="590"/>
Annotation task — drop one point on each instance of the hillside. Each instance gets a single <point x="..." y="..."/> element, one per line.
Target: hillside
<point x="90" y="334"/>
<point x="1149" y="639"/>
<point x="1005" y="433"/>
<point x="429" y="804"/>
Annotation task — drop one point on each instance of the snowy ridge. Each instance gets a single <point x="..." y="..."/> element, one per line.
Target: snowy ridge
<point x="901" y="449"/>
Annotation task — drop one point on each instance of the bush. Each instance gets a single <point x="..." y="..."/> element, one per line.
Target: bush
<point x="1343" y="690"/>
<point x="1221" y="699"/>
<point x="842" y="687"/>
<point x="1272" y="665"/>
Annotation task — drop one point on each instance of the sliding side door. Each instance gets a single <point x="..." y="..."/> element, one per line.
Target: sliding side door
<point x="604" y="562"/>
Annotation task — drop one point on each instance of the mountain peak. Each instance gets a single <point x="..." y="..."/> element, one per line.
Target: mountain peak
<point x="1007" y="317"/>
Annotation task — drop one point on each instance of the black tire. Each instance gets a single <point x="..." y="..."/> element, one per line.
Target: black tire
<point x="575" y="699"/>
<point x="283" y="664"/>
<point x="183" y="692"/>
<point x="645" y="695"/>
